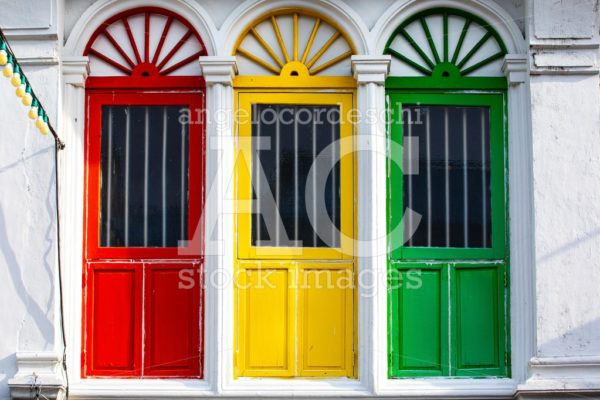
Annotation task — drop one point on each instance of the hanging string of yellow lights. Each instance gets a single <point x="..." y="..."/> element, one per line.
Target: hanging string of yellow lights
<point x="12" y="70"/>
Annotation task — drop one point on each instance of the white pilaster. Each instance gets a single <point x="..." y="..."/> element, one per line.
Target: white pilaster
<point x="520" y="183"/>
<point x="218" y="73"/>
<point x="71" y="168"/>
<point x="370" y="73"/>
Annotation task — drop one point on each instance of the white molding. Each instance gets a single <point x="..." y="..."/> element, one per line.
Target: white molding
<point x="371" y="69"/>
<point x="370" y="73"/>
<point x="521" y="220"/>
<point x="488" y="10"/>
<point x="343" y="15"/>
<point x="38" y="370"/>
<point x="218" y="73"/>
<point x="74" y="71"/>
<point x="515" y="68"/>
<point x="101" y="10"/>
<point x="218" y="69"/>
<point x="566" y="376"/>
<point x="564" y="60"/>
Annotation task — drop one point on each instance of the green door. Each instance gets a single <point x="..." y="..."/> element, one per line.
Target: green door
<point x="448" y="287"/>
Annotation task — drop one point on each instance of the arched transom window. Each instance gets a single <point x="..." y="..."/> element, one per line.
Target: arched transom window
<point x="148" y="42"/>
<point x="294" y="44"/>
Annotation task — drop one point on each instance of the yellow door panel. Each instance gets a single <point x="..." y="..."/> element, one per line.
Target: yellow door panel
<point x="267" y="308"/>
<point x="325" y="309"/>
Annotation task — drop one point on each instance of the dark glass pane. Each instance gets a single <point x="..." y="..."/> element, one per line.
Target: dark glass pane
<point x="144" y="188"/>
<point x="286" y="142"/>
<point x="447" y="175"/>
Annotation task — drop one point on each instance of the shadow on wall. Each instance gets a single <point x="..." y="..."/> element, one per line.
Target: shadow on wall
<point x="38" y="315"/>
<point x="7" y="370"/>
<point x="571" y="339"/>
<point x="582" y="340"/>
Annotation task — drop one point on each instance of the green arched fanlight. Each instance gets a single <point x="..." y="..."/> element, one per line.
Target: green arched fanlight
<point x="431" y="47"/>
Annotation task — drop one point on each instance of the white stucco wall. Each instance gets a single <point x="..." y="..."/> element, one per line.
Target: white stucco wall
<point x="27" y="228"/>
<point x="28" y="307"/>
<point x="565" y="97"/>
<point x="566" y="150"/>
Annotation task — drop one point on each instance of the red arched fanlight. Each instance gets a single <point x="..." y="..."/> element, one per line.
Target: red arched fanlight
<point x="149" y="42"/>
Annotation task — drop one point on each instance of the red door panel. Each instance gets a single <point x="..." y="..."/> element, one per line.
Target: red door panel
<point x="172" y="320"/>
<point x="114" y="318"/>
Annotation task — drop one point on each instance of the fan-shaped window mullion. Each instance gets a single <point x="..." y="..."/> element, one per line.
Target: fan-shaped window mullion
<point x="290" y="42"/>
<point x="435" y="54"/>
<point x="138" y="43"/>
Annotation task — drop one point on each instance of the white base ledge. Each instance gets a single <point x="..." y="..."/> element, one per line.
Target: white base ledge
<point x="38" y="373"/>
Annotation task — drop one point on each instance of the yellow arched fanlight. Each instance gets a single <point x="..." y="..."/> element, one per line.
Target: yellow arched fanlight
<point x="292" y="42"/>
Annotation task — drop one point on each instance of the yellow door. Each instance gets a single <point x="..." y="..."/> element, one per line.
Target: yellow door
<point x="295" y="226"/>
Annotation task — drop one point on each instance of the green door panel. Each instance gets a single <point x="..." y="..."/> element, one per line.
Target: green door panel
<point x="478" y="310"/>
<point x="419" y="296"/>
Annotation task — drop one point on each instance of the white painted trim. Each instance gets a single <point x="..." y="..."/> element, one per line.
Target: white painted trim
<point x="335" y="10"/>
<point x="521" y="223"/>
<point x="370" y="73"/>
<point x="218" y="73"/>
<point x="75" y="70"/>
<point x="565" y="376"/>
<point x="486" y="9"/>
<point x="38" y="369"/>
<point x="101" y="10"/>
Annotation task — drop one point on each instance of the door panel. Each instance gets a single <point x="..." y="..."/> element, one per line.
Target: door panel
<point x="172" y="325"/>
<point x="114" y="314"/>
<point x="479" y="313"/>
<point x="419" y="318"/>
<point x="266" y="304"/>
<point x="326" y="308"/>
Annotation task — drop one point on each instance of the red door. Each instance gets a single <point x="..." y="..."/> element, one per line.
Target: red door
<point x="143" y="245"/>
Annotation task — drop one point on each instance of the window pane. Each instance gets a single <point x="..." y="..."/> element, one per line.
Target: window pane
<point x="286" y="142"/>
<point x="144" y="189"/>
<point x="447" y="175"/>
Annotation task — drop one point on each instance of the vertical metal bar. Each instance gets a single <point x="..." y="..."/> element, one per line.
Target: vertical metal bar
<point x="484" y="178"/>
<point x="164" y="179"/>
<point x="429" y="207"/>
<point x="257" y="176"/>
<point x="277" y="177"/>
<point x="127" y="132"/>
<point x="296" y="181"/>
<point x="447" y="174"/>
<point x="465" y="181"/>
<point x="109" y="179"/>
<point x="314" y="179"/>
<point x="182" y="204"/>
<point x="409" y="174"/>
<point x="146" y="167"/>
<point x="334" y="180"/>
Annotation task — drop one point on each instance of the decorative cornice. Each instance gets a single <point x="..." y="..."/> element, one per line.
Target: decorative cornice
<point x="515" y="68"/>
<point x="38" y="373"/>
<point x="218" y="69"/>
<point x="371" y="69"/>
<point x="75" y="70"/>
<point x="562" y="59"/>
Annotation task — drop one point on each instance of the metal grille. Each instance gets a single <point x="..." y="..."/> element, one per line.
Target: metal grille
<point x="447" y="176"/>
<point x="144" y="189"/>
<point x="286" y="142"/>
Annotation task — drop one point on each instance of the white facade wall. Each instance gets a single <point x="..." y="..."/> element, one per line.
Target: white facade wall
<point x="560" y="158"/>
